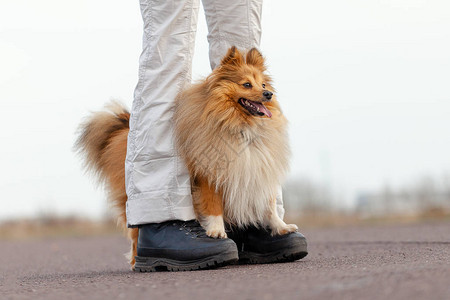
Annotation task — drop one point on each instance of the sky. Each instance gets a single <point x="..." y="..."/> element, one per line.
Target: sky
<point x="364" y="84"/>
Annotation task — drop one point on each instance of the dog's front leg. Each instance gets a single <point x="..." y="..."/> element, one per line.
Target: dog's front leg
<point x="275" y="223"/>
<point x="209" y="208"/>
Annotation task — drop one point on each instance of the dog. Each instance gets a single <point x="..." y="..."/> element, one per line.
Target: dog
<point x="232" y="135"/>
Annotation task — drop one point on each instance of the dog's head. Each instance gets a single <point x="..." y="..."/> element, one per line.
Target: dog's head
<point x="242" y="78"/>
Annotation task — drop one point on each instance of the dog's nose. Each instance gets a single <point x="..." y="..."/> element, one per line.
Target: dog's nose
<point x="268" y="95"/>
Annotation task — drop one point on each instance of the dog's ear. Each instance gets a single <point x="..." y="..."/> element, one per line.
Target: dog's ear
<point x="233" y="57"/>
<point x="255" y="58"/>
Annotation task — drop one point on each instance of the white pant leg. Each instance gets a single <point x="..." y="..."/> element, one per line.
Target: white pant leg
<point x="157" y="180"/>
<point x="234" y="23"/>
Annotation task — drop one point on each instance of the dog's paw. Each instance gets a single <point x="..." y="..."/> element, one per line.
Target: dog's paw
<point x="284" y="229"/>
<point x="215" y="227"/>
<point x="214" y="233"/>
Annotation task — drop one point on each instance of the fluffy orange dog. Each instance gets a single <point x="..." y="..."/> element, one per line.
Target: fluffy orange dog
<point x="232" y="135"/>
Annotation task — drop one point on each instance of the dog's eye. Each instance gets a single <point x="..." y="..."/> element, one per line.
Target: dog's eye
<point x="264" y="85"/>
<point x="247" y="85"/>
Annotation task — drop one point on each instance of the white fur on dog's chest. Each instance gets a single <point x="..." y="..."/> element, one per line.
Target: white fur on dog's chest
<point x="255" y="169"/>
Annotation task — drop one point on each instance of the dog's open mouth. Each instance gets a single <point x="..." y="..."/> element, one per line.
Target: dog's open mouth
<point x="255" y="108"/>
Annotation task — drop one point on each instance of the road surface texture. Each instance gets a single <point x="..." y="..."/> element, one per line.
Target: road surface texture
<point x="367" y="262"/>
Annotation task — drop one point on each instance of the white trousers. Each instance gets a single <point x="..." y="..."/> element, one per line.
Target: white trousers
<point x="157" y="180"/>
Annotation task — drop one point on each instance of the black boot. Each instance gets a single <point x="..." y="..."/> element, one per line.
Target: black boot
<point x="181" y="246"/>
<point x="258" y="246"/>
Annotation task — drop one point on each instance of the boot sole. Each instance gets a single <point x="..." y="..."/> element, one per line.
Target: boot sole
<point x="290" y="254"/>
<point x="156" y="264"/>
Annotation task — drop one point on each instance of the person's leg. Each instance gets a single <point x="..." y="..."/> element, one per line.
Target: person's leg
<point x="238" y="23"/>
<point x="234" y="23"/>
<point x="157" y="181"/>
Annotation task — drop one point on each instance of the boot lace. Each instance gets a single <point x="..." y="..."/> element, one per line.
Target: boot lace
<point x="193" y="227"/>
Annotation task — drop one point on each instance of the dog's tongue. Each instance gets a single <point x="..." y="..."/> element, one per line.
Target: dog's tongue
<point x="262" y="109"/>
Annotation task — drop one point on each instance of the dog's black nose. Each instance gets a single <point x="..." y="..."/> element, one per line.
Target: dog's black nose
<point x="268" y="95"/>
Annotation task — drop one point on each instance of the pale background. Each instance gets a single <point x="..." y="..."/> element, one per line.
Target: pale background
<point x="365" y="85"/>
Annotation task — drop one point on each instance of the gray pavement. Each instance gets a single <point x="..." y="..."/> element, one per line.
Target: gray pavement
<point x="367" y="262"/>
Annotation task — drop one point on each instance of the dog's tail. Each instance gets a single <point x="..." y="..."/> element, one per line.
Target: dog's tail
<point x="102" y="142"/>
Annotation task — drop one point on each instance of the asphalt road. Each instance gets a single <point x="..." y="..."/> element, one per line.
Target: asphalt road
<point x="378" y="262"/>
